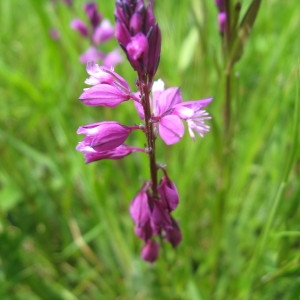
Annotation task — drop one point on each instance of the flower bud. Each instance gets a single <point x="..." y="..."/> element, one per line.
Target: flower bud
<point x="150" y="251"/>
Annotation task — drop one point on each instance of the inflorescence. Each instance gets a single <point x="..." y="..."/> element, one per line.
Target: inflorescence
<point x="163" y="114"/>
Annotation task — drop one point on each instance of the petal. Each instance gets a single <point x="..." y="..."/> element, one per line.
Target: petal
<point x="168" y="193"/>
<point x="139" y="208"/>
<point x="171" y="129"/>
<point x="182" y="112"/>
<point x="103" y="33"/>
<point x="144" y="231"/>
<point x="197" y="104"/>
<point x="112" y="58"/>
<point x="160" y="217"/>
<point x="167" y="99"/>
<point x="173" y="235"/>
<point x="103" y="95"/>
<point x="157" y="88"/>
<point x="97" y="75"/>
<point x="80" y="26"/>
<point x="137" y="47"/>
<point x="91" y="54"/>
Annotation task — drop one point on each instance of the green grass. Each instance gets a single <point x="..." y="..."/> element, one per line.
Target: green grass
<point x="65" y="231"/>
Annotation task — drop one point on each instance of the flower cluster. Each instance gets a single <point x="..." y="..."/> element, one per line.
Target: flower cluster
<point x="139" y="35"/>
<point x="152" y="216"/>
<point x="222" y="15"/>
<point x="98" y="31"/>
<point x="162" y="111"/>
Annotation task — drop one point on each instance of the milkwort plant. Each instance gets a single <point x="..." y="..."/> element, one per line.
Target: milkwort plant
<point x="162" y="112"/>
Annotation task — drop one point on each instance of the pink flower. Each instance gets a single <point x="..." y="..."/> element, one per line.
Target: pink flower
<point x="151" y="215"/>
<point x="168" y="112"/>
<point x="105" y="136"/>
<point x="222" y="18"/>
<point x="173" y="235"/>
<point x="137" y="47"/>
<point x="168" y="193"/>
<point x="139" y="35"/>
<point x="94" y="16"/>
<point x="98" y="31"/>
<point x="150" y="251"/>
<point x="108" y="88"/>
<point x="112" y="58"/>
<point x="80" y="26"/>
<point x="103" y="33"/>
<point x="194" y="115"/>
<point x="91" y="54"/>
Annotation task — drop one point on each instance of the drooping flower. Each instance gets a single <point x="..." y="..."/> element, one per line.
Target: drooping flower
<point x="150" y="251"/>
<point x="80" y="26"/>
<point x="173" y="235"/>
<point x="93" y="14"/>
<point x="151" y="215"/>
<point x="222" y="16"/>
<point x="168" y="193"/>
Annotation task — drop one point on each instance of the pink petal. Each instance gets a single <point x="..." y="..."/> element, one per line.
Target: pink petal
<point x="103" y="32"/>
<point x="150" y="251"/>
<point x="103" y="95"/>
<point x="91" y="54"/>
<point x="139" y="208"/>
<point x="171" y="129"/>
<point x="137" y="46"/>
<point x="167" y="99"/>
<point x="112" y="58"/>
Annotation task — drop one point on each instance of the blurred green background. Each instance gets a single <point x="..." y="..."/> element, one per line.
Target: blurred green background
<point x="65" y="230"/>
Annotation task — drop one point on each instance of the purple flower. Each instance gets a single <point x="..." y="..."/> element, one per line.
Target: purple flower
<point x="222" y="21"/>
<point x="91" y="155"/>
<point x="108" y="59"/>
<point x="103" y="32"/>
<point x="92" y="12"/>
<point x="108" y="88"/>
<point x="222" y="17"/>
<point x="105" y="136"/>
<point x="138" y="35"/>
<point x="150" y="251"/>
<point x="112" y="58"/>
<point x="168" y="111"/>
<point x="168" y="193"/>
<point x="98" y="31"/>
<point x="80" y="26"/>
<point x="91" y="54"/>
<point x="173" y="235"/>
<point x="151" y="215"/>
<point x="137" y="47"/>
